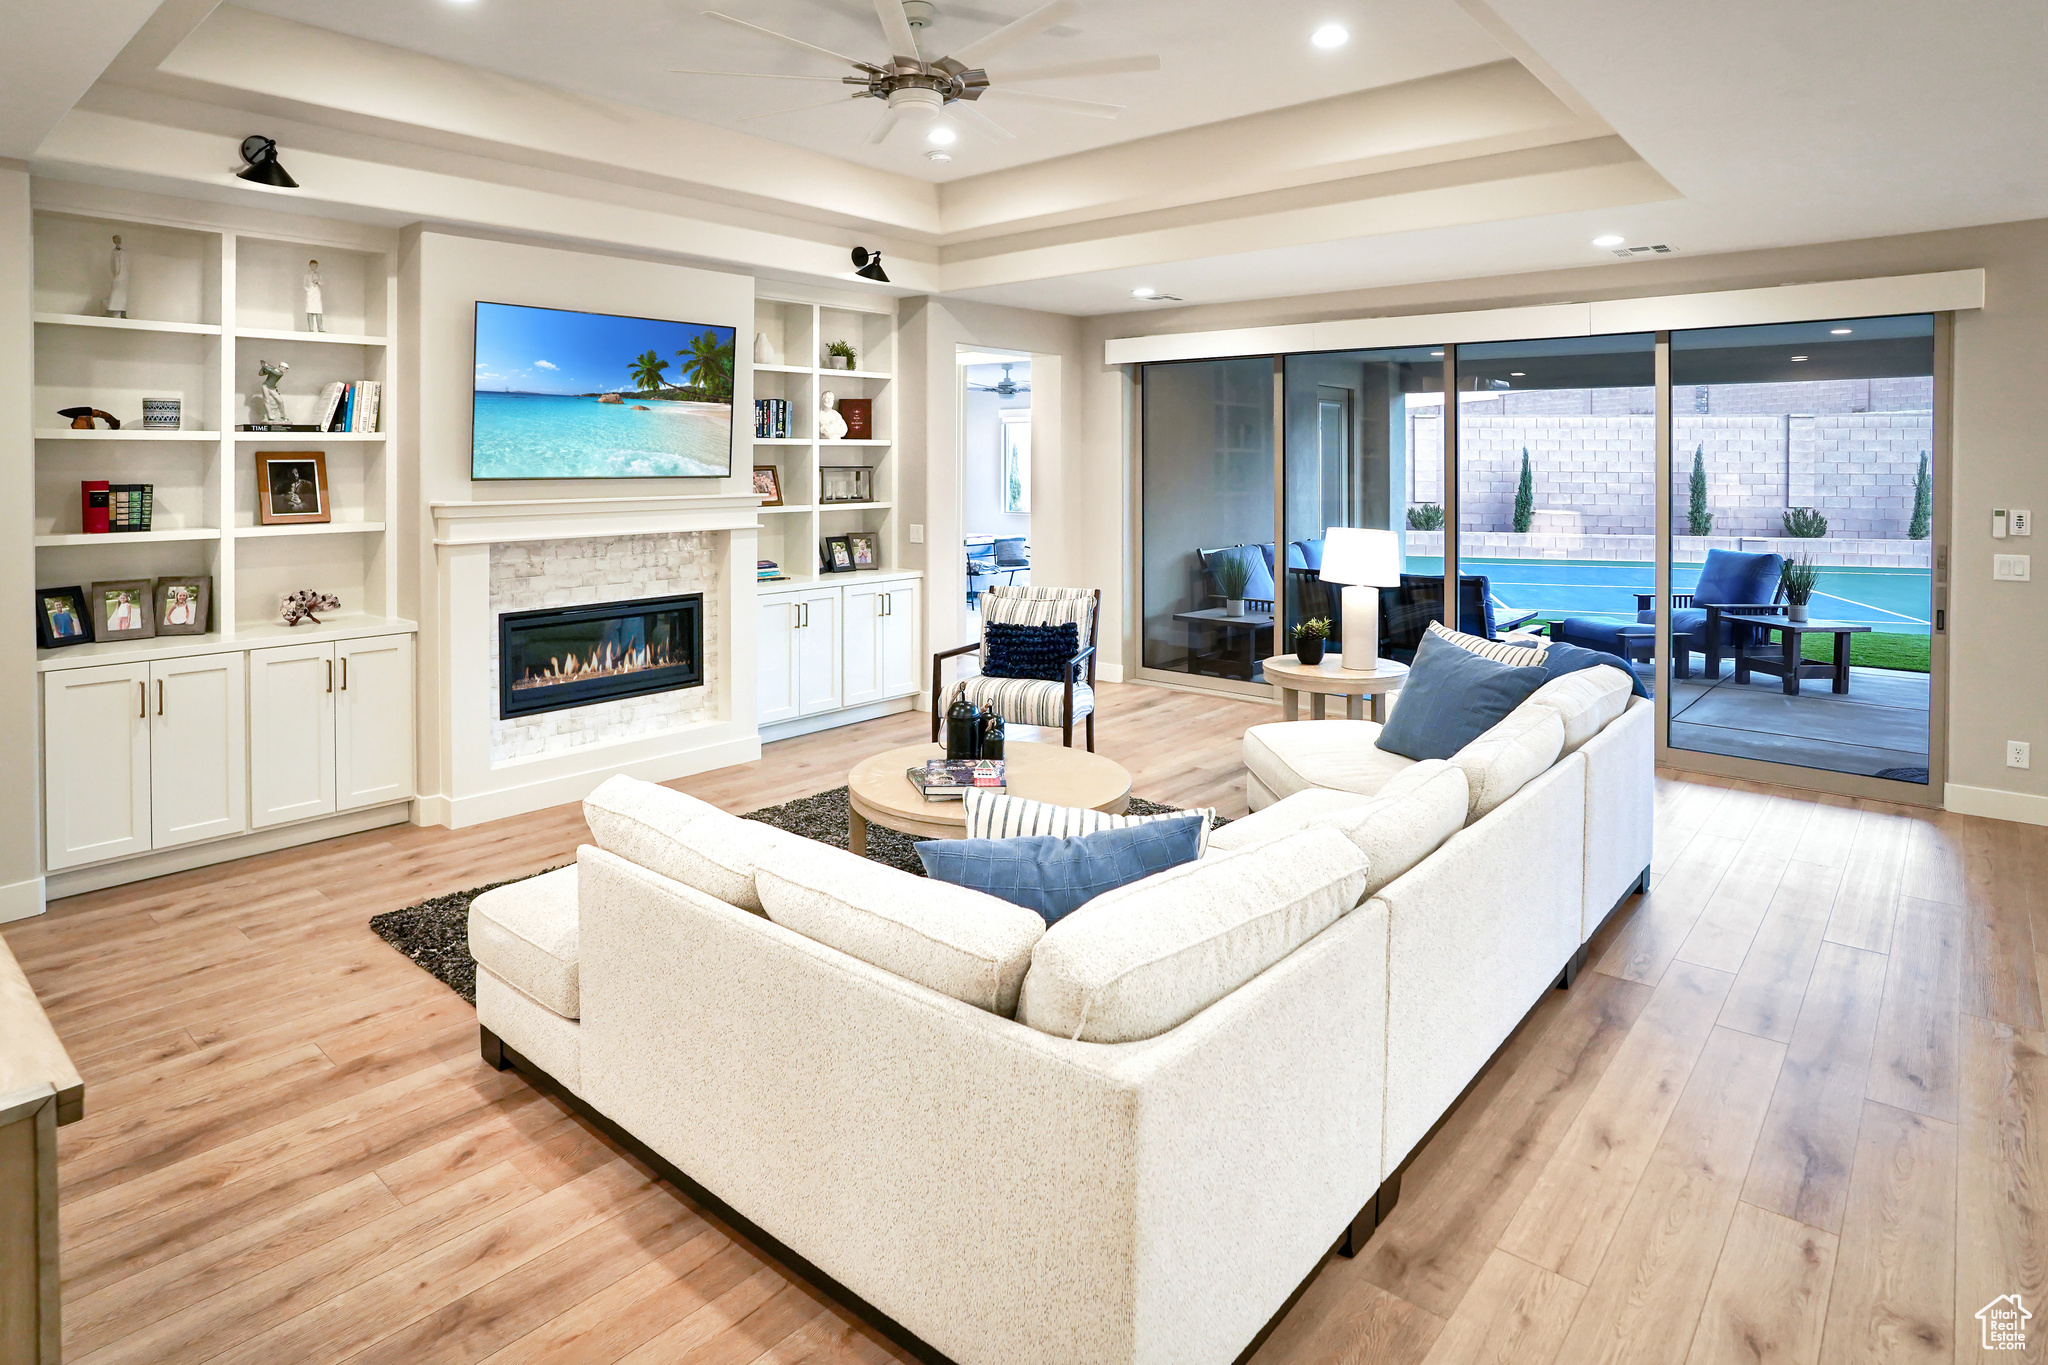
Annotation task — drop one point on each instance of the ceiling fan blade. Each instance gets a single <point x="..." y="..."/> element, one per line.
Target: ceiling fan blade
<point x="785" y="38"/>
<point x="1092" y="108"/>
<point x="1036" y="22"/>
<point x="1108" y="66"/>
<point x="826" y="104"/>
<point x="896" y="28"/>
<point x="887" y="126"/>
<point x="963" y="112"/>
<point x="752" y="75"/>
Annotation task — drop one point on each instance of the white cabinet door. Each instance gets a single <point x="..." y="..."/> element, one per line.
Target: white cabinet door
<point x="817" y="649"/>
<point x="373" y="753"/>
<point x="291" y="733"/>
<point x="861" y="659"/>
<point x="96" y="763"/>
<point x="776" y="686"/>
<point x="901" y="665"/>
<point x="198" y="765"/>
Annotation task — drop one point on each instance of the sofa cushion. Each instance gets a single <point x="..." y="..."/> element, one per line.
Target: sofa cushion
<point x="525" y="931"/>
<point x="961" y="943"/>
<point x="1524" y="651"/>
<point x="682" y="838"/>
<point x="1411" y="817"/>
<point x="995" y="815"/>
<point x="1054" y="876"/>
<point x="1452" y="696"/>
<point x="1736" y="577"/>
<point x="1586" y="700"/>
<point x="1509" y="756"/>
<point x="1293" y="755"/>
<point x="1138" y="961"/>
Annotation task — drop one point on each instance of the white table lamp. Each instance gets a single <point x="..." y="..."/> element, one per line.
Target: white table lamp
<point x="1364" y="561"/>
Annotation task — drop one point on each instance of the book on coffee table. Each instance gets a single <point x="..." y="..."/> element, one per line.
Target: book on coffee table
<point x="944" y="779"/>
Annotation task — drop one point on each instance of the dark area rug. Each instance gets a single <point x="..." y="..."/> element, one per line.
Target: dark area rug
<point x="435" y="933"/>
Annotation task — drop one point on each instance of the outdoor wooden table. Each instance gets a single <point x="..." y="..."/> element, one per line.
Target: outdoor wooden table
<point x="1790" y="663"/>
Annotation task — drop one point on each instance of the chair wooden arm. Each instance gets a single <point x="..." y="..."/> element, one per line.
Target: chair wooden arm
<point x="938" y="679"/>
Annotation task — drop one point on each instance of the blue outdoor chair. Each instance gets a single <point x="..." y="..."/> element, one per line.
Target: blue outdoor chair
<point x="1707" y="621"/>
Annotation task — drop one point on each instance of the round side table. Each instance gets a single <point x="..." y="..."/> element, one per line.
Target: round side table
<point x="1331" y="679"/>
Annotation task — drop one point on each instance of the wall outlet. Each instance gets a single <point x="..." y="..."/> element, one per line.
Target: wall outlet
<point x="2020" y="521"/>
<point x="2018" y="754"/>
<point x="916" y="534"/>
<point x="2011" y="568"/>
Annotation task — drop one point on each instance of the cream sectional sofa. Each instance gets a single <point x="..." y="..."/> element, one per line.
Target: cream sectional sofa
<point x="1126" y="1140"/>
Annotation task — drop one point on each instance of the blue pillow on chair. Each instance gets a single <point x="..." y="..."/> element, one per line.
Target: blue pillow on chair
<point x="1562" y="658"/>
<point x="1056" y="876"/>
<point x="1735" y="577"/>
<point x="1010" y="651"/>
<point x="1451" y="697"/>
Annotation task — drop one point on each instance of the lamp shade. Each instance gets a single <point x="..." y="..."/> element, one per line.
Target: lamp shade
<point x="1361" y="557"/>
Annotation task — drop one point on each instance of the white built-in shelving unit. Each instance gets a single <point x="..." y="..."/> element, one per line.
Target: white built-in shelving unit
<point x="205" y="305"/>
<point x="793" y="534"/>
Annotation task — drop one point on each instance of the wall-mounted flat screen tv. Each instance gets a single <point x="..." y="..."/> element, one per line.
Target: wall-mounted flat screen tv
<point x="567" y="395"/>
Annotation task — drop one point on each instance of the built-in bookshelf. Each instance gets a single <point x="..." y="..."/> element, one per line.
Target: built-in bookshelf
<point x="205" y="305"/>
<point x="800" y="332"/>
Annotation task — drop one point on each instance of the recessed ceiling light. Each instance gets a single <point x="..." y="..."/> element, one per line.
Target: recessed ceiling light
<point x="936" y="155"/>
<point x="1143" y="291"/>
<point x="1330" y="35"/>
<point x="1609" y="240"/>
<point x="1436" y="352"/>
<point x="941" y="136"/>
<point x="1797" y="358"/>
<point x="1840" y="331"/>
<point x="1518" y="374"/>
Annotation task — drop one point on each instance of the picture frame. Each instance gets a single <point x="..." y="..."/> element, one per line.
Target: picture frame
<point x="838" y="555"/>
<point x="184" y="606"/>
<point x="291" y="488"/>
<point x="122" y="609"/>
<point x="62" y="618"/>
<point x="866" y="549"/>
<point x="768" y="481"/>
<point x="846" y="483"/>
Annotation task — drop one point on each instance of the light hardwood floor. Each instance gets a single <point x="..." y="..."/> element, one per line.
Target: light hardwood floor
<point x="1789" y="1116"/>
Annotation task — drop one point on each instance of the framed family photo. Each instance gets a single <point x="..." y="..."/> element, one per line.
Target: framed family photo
<point x="865" y="553"/>
<point x="768" y="482"/>
<point x="62" y="618"/>
<point x="121" y="610"/>
<point x="838" y="556"/>
<point x="183" y="604"/>
<point x="291" y="487"/>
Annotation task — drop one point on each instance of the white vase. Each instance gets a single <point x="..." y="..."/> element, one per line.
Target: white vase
<point x="1233" y="606"/>
<point x="1796" y="613"/>
<point x="837" y="362"/>
<point x="764" y="350"/>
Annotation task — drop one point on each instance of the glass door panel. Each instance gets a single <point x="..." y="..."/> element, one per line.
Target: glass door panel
<point x="1557" y="472"/>
<point x="1364" y="447"/>
<point x="1207" y="517"/>
<point x="1808" y="445"/>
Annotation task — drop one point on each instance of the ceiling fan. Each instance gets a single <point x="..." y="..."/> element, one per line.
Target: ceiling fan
<point x="915" y="87"/>
<point x="1006" y="386"/>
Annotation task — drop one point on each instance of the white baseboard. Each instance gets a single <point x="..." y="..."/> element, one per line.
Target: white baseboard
<point x="560" y="789"/>
<point x="146" y="865"/>
<point x="832" y="720"/>
<point x="431" y="810"/>
<point x="2021" y="807"/>
<point x="1105" y="672"/>
<point x="22" y="900"/>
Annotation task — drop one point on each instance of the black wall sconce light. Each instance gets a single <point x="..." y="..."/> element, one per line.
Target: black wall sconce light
<point x="263" y="169"/>
<point x="868" y="264"/>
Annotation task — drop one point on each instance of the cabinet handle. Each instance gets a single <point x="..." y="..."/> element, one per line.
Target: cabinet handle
<point x="159" y="696"/>
<point x="344" y="672"/>
<point x="330" y="675"/>
<point x="142" y="711"/>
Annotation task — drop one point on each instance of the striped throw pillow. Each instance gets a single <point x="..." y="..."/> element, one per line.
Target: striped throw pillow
<point x="1520" y="655"/>
<point x="992" y="815"/>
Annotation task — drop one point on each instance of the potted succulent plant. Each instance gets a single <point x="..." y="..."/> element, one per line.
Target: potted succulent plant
<point x="839" y="356"/>
<point x="1309" y="638"/>
<point x="1799" y="577"/>
<point x="1233" y="574"/>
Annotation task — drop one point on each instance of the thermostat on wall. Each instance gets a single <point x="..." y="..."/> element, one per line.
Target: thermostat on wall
<point x="1998" y="523"/>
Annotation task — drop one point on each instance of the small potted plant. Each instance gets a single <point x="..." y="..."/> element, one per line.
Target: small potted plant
<point x="1799" y="577"/>
<point x="839" y="356"/>
<point x="1233" y="574"/>
<point x="1309" y="638"/>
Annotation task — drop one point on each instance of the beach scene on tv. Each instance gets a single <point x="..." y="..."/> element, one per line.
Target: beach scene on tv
<point x="564" y="395"/>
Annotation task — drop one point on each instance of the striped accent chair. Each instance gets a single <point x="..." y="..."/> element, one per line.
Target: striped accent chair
<point x="1030" y="701"/>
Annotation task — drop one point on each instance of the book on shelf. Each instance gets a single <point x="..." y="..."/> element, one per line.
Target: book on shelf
<point x="330" y="403"/>
<point x="350" y="407"/>
<point x="950" y="779"/>
<point x="95" y="503"/>
<point x="369" y="395"/>
<point x="771" y="419"/>
<point x="133" y="506"/>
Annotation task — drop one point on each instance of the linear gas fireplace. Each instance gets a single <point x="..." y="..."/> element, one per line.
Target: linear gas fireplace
<point x="573" y="656"/>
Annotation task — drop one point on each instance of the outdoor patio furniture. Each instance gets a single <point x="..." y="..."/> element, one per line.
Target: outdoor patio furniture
<point x="1720" y="615"/>
<point x="1791" y="664"/>
<point x="1013" y="556"/>
<point x="1406" y="611"/>
<point x="981" y="564"/>
<point x="1234" y="644"/>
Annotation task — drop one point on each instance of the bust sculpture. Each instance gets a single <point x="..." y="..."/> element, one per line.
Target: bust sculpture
<point x="831" y="426"/>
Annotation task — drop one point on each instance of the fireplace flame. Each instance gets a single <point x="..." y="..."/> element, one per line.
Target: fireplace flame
<point x="606" y="661"/>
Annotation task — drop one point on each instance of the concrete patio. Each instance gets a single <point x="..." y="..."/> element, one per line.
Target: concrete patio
<point x="1880" y="724"/>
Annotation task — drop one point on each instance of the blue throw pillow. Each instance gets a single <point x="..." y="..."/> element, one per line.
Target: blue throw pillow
<point x="1450" y="698"/>
<point x="1562" y="658"/>
<point x="1009" y="651"/>
<point x="1055" y="875"/>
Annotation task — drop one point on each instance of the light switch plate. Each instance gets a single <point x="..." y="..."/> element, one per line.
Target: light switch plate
<point x="2011" y="568"/>
<point x="916" y="533"/>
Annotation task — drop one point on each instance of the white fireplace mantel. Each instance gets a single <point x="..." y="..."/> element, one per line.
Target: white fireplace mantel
<point x="511" y="520"/>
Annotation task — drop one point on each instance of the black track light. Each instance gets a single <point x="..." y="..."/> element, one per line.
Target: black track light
<point x="868" y="264"/>
<point x="261" y="154"/>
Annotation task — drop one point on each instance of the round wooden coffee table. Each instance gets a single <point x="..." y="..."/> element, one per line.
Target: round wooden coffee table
<point x="879" y="793"/>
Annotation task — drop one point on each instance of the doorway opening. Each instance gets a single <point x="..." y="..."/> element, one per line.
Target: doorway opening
<point x="995" y="465"/>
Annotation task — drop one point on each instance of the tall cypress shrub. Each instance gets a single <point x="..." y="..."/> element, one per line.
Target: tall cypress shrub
<point x="1525" y="497"/>
<point x="1922" y="524"/>
<point x="1698" y="520"/>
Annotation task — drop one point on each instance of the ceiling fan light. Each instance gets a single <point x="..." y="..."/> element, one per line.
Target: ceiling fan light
<point x="942" y="135"/>
<point x="1330" y="36"/>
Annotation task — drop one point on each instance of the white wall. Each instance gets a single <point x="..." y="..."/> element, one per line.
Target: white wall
<point x="981" y="453"/>
<point x="21" y="822"/>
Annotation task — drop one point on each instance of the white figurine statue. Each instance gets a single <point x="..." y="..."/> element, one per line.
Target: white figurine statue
<point x="316" y="311"/>
<point x="273" y="405"/>
<point x="831" y="426"/>
<point x="117" y="295"/>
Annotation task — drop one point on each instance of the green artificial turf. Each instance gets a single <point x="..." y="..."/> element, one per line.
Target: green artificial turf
<point x="1907" y="653"/>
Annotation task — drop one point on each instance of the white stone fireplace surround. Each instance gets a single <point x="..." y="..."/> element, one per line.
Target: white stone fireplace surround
<point x="494" y="557"/>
